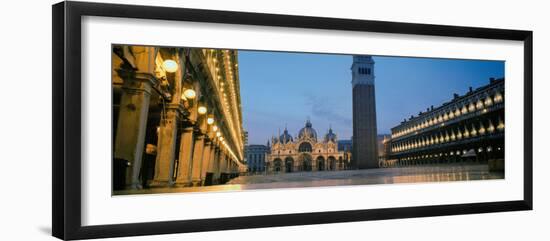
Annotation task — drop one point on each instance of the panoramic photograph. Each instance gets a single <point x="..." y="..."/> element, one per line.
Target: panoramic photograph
<point x="209" y="120"/>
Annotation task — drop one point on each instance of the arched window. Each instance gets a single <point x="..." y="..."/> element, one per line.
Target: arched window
<point x="304" y="147"/>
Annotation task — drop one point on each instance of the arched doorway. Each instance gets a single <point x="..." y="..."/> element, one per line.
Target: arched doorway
<point x="305" y="160"/>
<point x="277" y="165"/>
<point x="289" y="164"/>
<point x="320" y="163"/>
<point x="331" y="163"/>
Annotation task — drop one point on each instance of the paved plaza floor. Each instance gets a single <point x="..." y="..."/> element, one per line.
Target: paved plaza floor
<point x="416" y="174"/>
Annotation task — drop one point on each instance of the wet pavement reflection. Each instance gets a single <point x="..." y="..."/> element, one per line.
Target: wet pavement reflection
<point x="417" y="174"/>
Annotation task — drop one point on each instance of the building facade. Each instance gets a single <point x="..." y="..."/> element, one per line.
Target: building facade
<point x="256" y="157"/>
<point x="346" y="147"/>
<point x="467" y="128"/>
<point x="305" y="153"/>
<point x="365" y="151"/>
<point x="383" y="152"/>
<point x="177" y="118"/>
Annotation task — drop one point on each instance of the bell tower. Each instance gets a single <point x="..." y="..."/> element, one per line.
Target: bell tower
<point x="364" y="146"/>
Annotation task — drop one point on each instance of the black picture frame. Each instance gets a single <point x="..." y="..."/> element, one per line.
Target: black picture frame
<point x="66" y="141"/>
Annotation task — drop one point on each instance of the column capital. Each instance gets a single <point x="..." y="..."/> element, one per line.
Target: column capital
<point x="199" y="132"/>
<point x="177" y="108"/>
<point x="131" y="75"/>
<point x="188" y="128"/>
<point x="199" y="136"/>
<point x="208" y="141"/>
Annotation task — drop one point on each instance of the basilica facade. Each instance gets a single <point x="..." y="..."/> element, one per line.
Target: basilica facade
<point x="305" y="152"/>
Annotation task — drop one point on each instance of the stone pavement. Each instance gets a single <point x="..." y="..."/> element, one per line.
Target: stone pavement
<point x="417" y="174"/>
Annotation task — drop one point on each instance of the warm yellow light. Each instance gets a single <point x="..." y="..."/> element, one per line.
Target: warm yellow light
<point x="202" y="110"/>
<point x="210" y="120"/>
<point x="218" y="134"/>
<point x="170" y="66"/>
<point x="214" y="128"/>
<point x="189" y="94"/>
<point x="221" y="138"/>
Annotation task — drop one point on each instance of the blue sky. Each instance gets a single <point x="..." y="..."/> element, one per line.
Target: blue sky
<point x="281" y="89"/>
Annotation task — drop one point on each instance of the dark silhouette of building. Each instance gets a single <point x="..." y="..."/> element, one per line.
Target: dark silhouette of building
<point x="365" y="152"/>
<point x="255" y="157"/>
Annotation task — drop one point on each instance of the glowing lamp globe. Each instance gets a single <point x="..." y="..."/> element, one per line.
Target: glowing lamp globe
<point x="189" y="94"/>
<point x="210" y="120"/>
<point x="170" y="66"/>
<point x="202" y="110"/>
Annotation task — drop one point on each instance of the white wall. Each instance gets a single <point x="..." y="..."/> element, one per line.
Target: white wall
<point x="26" y="120"/>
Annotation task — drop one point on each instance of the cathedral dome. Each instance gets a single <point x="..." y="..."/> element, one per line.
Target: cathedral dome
<point x="308" y="132"/>
<point x="330" y="136"/>
<point x="285" y="137"/>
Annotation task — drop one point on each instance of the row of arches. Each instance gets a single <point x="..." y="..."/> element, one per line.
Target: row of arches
<point x="306" y="163"/>
<point x="458" y="132"/>
<point x="479" y="103"/>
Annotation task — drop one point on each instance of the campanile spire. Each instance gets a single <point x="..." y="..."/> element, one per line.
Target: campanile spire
<point x="365" y="153"/>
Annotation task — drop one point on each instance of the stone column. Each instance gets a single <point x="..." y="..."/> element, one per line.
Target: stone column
<point x="215" y="163"/>
<point x="185" y="157"/>
<point x="227" y="168"/>
<point x="132" y="122"/>
<point x="212" y="158"/>
<point x="205" y="159"/>
<point x="196" y="166"/>
<point x="221" y="163"/>
<point x="166" y="148"/>
<point x="227" y="165"/>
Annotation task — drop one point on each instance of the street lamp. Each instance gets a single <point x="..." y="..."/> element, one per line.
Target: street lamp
<point x="218" y="134"/>
<point x="170" y="66"/>
<point x="210" y="119"/>
<point x="189" y="94"/>
<point x="202" y="110"/>
<point x="214" y="128"/>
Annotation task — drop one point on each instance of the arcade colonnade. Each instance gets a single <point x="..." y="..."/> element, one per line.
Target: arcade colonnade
<point x="177" y="117"/>
<point x="467" y="128"/>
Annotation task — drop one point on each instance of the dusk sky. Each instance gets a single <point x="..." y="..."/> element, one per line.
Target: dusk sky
<point x="279" y="89"/>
